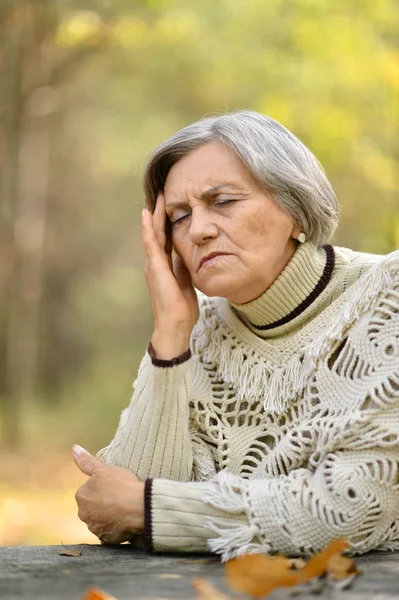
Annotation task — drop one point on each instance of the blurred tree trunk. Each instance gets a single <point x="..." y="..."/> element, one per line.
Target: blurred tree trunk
<point x="12" y="58"/>
<point x="32" y="69"/>
<point x="26" y="126"/>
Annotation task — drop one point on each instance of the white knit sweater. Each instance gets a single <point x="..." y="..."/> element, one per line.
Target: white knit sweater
<point x="281" y="431"/>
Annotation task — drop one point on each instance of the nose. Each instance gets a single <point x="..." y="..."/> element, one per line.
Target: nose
<point x="202" y="226"/>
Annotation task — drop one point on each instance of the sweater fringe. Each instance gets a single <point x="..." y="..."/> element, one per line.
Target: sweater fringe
<point x="225" y="492"/>
<point x="233" y="540"/>
<point x="255" y="377"/>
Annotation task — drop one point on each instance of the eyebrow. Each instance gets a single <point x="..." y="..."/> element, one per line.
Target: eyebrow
<point x="204" y="196"/>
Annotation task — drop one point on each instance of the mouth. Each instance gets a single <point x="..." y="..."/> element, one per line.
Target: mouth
<point x="211" y="258"/>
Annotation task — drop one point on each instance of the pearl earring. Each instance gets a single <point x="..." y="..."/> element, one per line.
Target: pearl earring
<point x="301" y="238"/>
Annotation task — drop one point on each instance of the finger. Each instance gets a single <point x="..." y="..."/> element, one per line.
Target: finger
<point x="111" y="539"/>
<point x="86" y="462"/>
<point x="162" y="228"/>
<point x="151" y="245"/>
<point x="159" y="220"/>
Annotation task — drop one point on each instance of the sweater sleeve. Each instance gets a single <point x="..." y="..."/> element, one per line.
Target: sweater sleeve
<point x="352" y="495"/>
<point x="176" y="517"/>
<point x="153" y="437"/>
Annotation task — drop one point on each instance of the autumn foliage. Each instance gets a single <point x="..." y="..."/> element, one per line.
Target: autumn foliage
<point x="258" y="575"/>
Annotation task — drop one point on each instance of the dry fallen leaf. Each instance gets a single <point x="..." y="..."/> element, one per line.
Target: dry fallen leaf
<point x="258" y="575"/>
<point x="341" y="567"/>
<point x="318" y="564"/>
<point x="206" y="590"/>
<point x="97" y="594"/>
<point x="296" y="563"/>
<point x="70" y="552"/>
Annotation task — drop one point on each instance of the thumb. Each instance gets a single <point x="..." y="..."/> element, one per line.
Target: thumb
<point x="84" y="460"/>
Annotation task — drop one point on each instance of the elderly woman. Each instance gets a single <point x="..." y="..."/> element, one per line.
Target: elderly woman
<point x="265" y="414"/>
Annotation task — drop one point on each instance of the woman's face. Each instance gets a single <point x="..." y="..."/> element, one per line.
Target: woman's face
<point x="216" y="207"/>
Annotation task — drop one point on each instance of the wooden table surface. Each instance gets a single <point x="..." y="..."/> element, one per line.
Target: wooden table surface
<point x="40" y="573"/>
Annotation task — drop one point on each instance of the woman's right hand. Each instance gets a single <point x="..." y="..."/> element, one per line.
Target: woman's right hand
<point x="174" y="301"/>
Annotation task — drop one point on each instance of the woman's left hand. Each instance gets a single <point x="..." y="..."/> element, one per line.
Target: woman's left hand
<point x="111" y="502"/>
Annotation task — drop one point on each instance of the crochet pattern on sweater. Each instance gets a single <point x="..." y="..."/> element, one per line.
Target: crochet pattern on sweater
<point x="323" y="457"/>
<point x="282" y="441"/>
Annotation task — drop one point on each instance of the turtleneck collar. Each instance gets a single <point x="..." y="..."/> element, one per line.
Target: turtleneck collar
<point x="298" y="285"/>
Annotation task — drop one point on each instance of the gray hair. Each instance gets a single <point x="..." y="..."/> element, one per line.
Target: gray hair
<point x="279" y="161"/>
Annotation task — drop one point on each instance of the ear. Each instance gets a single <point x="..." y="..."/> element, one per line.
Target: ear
<point x="296" y="230"/>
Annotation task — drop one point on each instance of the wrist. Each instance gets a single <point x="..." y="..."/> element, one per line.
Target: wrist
<point x="168" y="346"/>
<point x="137" y="509"/>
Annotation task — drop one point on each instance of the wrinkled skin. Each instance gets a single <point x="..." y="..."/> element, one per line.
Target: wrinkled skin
<point x="214" y="204"/>
<point x="240" y="218"/>
<point x="111" y="502"/>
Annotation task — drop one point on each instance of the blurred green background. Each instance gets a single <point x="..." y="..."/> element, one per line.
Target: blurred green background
<point x="88" y="88"/>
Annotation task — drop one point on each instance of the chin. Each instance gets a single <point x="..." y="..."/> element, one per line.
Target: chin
<point x="215" y="286"/>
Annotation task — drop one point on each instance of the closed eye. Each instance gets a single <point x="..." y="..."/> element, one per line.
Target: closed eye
<point x="178" y="220"/>
<point x="224" y="202"/>
<point x="220" y="203"/>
